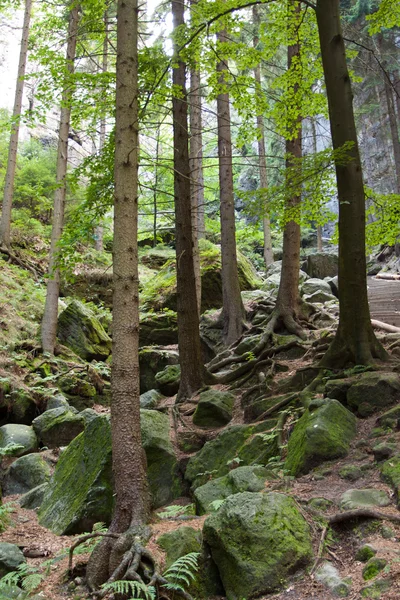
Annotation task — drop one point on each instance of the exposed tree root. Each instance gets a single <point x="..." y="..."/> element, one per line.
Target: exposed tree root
<point x="85" y="538"/>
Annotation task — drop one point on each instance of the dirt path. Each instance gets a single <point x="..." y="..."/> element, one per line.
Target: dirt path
<point x="384" y="300"/>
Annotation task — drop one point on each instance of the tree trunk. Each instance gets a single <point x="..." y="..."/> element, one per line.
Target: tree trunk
<point x="188" y="316"/>
<point x="196" y="174"/>
<point x="5" y="224"/>
<point x="50" y="315"/>
<point x="130" y="481"/>
<point x="268" y="253"/>
<point x="355" y="341"/>
<point x="104" y="68"/>
<point x="232" y="311"/>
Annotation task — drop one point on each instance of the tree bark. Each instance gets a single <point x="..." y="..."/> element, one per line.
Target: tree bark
<point x="268" y="253"/>
<point x="355" y="341"/>
<point x="130" y="481"/>
<point x="5" y="224"/>
<point x="232" y="311"/>
<point x="50" y="315"/>
<point x="188" y="316"/>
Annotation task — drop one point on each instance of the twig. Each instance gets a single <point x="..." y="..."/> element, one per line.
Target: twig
<point x="320" y="550"/>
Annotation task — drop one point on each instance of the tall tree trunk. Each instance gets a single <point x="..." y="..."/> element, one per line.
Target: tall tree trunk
<point x="155" y="192"/>
<point x="196" y="175"/>
<point x="130" y="481"/>
<point x="315" y="150"/>
<point x="268" y="253"/>
<point x="190" y="358"/>
<point x="355" y="341"/>
<point x="5" y="223"/>
<point x="104" y="68"/>
<point x="232" y="311"/>
<point x="49" y="321"/>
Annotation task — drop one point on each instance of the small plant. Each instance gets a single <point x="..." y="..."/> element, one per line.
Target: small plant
<point x="234" y="462"/>
<point x="10" y="450"/>
<point x="5" y="520"/>
<point x="176" y="510"/>
<point x="136" y="589"/>
<point x="249" y="356"/>
<point x="27" y="576"/>
<point x="216" y="504"/>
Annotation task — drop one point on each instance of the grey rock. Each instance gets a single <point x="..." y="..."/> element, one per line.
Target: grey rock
<point x="21" y="435"/>
<point x="369" y="498"/>
<point x="25" y="473"/>
<point x="11" y="558"/>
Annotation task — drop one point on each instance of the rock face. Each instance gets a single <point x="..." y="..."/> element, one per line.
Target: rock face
<point x="58" y="427"/>
<point x="256" y="541"/>
<point x="152" y="360"/>
<point x="168" y="379"/>
<point x="21" y="435"/>
<point x="323" y="433"/>
<point x="242" y="479"/>
<point x="243" y="444"/>
<point x="214" y="409"/>
<point x="373" y="392"/>
<point x="11" y="558"/>
<point x="321" y="265"/>
<point x="79" y="329"/>
<point x="25" y="473"/>
<point x="80" y="491"/>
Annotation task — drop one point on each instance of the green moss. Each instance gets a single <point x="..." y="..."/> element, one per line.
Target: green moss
<point x="376" y="589"/>
<point x="373" y="567"/>
<point x="390" y="471"/>
<point x="365" y="553"/>
<point x="58" y="427"/>
<point x="214" y="409"/>
<point x="168" y="379"/>
<point x="350" y="472"/>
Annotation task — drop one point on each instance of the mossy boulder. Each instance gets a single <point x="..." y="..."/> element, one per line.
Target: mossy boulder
<point x="350" y="472"/>
<point x="182" y="541"/>
<point x="369" y="498"/>
<point x="34" y="498"/>
<point x="22" y="406"/>
<point x="11" y="558"/>
<point x="168" y="379"/>
<point x="257" y="540"/>
<point x="150" y="399"/>
<point x="377" y="589"/>
<point x="391" y="418"/>
<point x="79" y="392"/>
<point x="152" y="360"/>
<point x="384" y="450"/>
<point x="373" y="567"/>
<point x="323" y="433"/>
<point x="390" y="471"/>
<point x="80" y="492"/>
<point x="158" y="329"/>
<point x="25" y="473"/>
<point x="214" y="409"/>
<point x="239" y="444"/>
<point x="18" y="435"/>
<point x="80" y="330"/>
<point x="316" y="286"/>
<point x="337" y="389"/>
<point x="320" y="296"/>
<point x="58" y="427"/>
<point x="241" y="479"/>
<point x="373" y="392"/>
<point x="13" y="592"/>
<point x="321" y="265"/>
<point x="365" y="553"/>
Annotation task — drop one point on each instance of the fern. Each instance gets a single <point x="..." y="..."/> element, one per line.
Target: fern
<point x="10" y="449"/>
<point x="176" y="510"/>
<point x="216" y="504"/>
<point x="137" y="589"/>
<point x="31" y="582"/>
<point x="5" y="520"/>
<point x="182" y="572"/>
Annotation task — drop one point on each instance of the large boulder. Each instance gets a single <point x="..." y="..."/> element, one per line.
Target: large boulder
<point x="373" y="392"/>
<point x="323" y="433"/>
<point x="58" y="427"/>
<point x="315" y="286"/>
<point x="34" y="498"/>
<point x="11" y="558"/>
<point x="321" y="265"/>
<point x="80" y="330"/>
<point x="257" y="540"/>
<point x="214" y="409"/>
<point x="79" y="392"/>
<point x="168" y="380"/>
<point x="25" y="473"/>
<point x="241" y="479"/>
<point x="80" y="492"/>
<point x="18" y="435"/>
<point x="152" y="360"/>
<point x="239" y="444"/>
<point x="158" y="329"/>
<point x="150" y="399"/>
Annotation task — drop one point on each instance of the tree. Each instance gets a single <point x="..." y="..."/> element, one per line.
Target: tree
<point x="232" y="310"/>
<point x="130" y="480"/>
<point x="190" y="358"/>
<point x="5" y="224"/>
<point x="355" y="341"/>
<point x="268" y="253"/>
<point x="50" y="314"/>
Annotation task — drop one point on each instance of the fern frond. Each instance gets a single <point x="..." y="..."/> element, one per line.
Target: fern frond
<point x="137" y="589"/>
<point x="31" y="582"/>
<point x="182" y="571"/>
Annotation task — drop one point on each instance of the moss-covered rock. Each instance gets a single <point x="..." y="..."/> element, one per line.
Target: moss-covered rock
<point x="214" y="409"/>
<point x="315" y="286"/>
<point x="321" y="265"/>
<point x="350" y="472"/>
<point x="257" y="540"/>
<point x="18" y="435"/>
<point x="150" y="399"/>
<point x="182" y="541"/>
<point x="319" y="296"/>
<point x="152" y="360"/>
<point x="241" y="479"/>
<point x="80" y="330"/>
<point x="322" y="433"/>
<point x="25" y="473"/>
<point x="373" y="392"/>
<point x="329" y="576"/>
<point x="79" y="392"/>
<point x="158" y="329"/>
<point x="58" y="427"/>
<point x="353" y="499"/>
<point x="373" y="567"/>
<point x="243" y="444"/>
<point x="390" y="471"/>
<point x="22" y="406"/>
<point x="255" y="408"/>
<point x="11" y="558"/>
<point x="168" y="379"/>
<point x="375" y="590"/>
<point x="80" y="491"/>
<point x="365" y="553"/>
<point x="337" y="389"/>
<point x="34" y="498"/>
<point x="384" y="450"/>
<point x="391" y="418"/>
